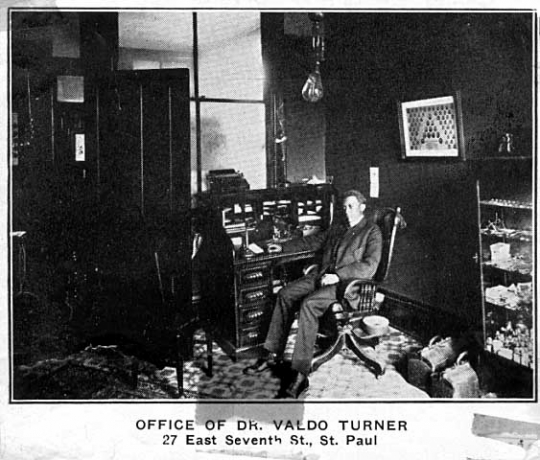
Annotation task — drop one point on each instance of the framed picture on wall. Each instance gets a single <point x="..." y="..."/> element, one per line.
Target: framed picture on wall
<point x="432" y="128"/>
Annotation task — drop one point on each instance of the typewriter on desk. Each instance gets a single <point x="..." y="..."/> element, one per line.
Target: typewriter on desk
<point x="226" y="181"/>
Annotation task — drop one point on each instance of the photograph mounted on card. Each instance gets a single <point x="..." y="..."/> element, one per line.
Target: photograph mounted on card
<point x="432" y="128"/>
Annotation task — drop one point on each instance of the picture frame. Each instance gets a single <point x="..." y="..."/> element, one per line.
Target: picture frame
<point x="432" y="128"/>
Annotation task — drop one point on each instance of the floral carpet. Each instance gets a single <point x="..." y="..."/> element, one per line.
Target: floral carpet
<point x="355" y="380"/>
<point x="105" y="372"/>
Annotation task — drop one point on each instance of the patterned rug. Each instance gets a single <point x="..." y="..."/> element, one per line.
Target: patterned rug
<point x="355" y="380"/>
<point x="105" y="372"/>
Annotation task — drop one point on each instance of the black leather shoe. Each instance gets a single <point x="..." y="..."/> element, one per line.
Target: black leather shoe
<point x="297" y="386"/>
<point x="262" y="365"/>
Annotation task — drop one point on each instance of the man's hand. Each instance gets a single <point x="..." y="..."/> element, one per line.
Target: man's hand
<point x="329" y="279"/>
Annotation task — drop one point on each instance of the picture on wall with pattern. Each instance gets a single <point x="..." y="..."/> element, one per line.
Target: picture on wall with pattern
<point x="431" y="128"/>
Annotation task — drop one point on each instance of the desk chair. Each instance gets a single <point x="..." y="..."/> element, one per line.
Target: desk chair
<point x="184" y="338"/>
<point x="212" y="272"/>
<point x="362" y="294"/>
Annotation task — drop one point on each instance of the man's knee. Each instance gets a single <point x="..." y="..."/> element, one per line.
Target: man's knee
<point x="317" y="303"/>
<point x="284" y="294"/>
<point x="294" y="291"/>
<point x="310" y="306"/>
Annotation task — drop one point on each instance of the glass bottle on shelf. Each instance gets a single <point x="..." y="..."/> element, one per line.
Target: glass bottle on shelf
<point x="505" y="249"/>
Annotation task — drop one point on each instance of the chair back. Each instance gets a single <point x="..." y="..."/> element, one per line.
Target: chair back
<point x="389" y="221"/>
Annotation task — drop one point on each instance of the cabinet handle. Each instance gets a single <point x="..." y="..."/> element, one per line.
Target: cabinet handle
<point x="252" y="276"/>
<point x="257" y="295"/>
<point x="254" y="314"/>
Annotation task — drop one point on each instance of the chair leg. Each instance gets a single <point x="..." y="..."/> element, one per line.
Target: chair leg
<point x="329" y="353"/>
<point x="366" y="353"/>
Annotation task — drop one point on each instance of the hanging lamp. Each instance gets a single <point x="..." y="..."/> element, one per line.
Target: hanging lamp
<point x="313" y="90"/>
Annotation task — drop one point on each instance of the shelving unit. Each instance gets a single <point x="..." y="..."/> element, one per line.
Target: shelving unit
<point x="289" y="211"/>
<point x="505" y="235"/>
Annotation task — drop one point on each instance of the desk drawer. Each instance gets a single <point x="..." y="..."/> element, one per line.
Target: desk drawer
<point x="250" y="276"/>
<point x="251" y="336"/>
<point x="251" y="296"/>
<point x="250" y="316"/>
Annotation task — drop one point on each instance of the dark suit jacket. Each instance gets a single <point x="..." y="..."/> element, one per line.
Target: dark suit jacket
<point x="349" y="253"/>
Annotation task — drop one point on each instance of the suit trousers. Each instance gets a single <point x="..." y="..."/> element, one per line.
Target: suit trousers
<point x="314" y="304"/>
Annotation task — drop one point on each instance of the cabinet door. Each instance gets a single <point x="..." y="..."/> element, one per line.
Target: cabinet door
<point x="144" y="140"/>
<point x="507" y="265"/>
<point x="506" y="233"/>
<point x="143" y="179"/>
<point x="32" y="148"/>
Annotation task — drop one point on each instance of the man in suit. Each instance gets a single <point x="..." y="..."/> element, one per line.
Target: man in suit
<point x="348" y="253"/>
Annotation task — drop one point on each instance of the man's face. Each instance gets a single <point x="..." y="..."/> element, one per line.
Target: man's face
<point x="353" y="209"/>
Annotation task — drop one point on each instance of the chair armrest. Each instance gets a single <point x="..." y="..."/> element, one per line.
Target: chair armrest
<point x="359" y="296"/>
<point x="313" y="268"/>
<point x="354" y="288"/>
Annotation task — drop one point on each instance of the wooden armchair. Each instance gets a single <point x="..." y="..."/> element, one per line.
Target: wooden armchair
<point x="359" y="300"/>
<point x="212" y="284"/>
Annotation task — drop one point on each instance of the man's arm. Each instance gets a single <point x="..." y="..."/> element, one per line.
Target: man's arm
<point x="306" y="243"/>
<point x="366" y="266"/>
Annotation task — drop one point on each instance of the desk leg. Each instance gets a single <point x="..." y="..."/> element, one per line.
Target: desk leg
<point x="209" y="351"/>
<point x="179" y="365"/>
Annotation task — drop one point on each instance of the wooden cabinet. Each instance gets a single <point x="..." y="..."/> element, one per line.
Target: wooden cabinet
<point x="141" y="227"/>
<point x="506" y="265"/>
<point x="264" y="216"/>
<point x="253" y="304"/>
<point x="108" y="232"/>
<point x="242" y="326"/>
<point x="143" y="138"/>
